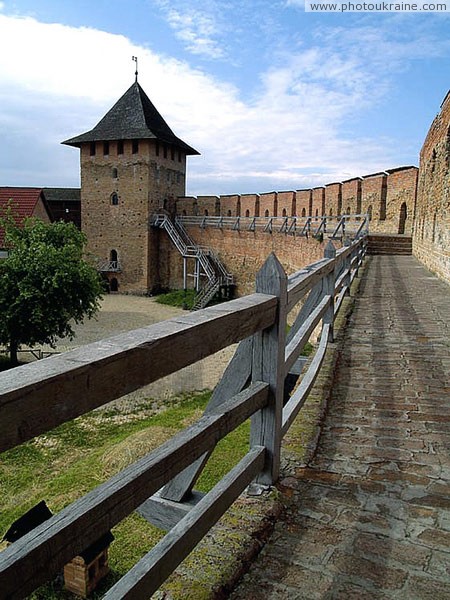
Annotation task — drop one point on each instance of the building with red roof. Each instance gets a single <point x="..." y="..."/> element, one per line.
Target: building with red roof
<point x="24" y="202"/>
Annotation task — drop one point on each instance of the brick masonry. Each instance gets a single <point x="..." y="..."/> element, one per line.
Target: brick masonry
<point x="143" y="182"/>
<point x="431" y="238"/>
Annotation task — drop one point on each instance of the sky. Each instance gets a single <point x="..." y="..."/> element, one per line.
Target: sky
<point x="273" y="97"/>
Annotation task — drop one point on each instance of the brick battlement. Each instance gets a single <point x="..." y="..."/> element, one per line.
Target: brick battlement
<point x="381" y="195"/>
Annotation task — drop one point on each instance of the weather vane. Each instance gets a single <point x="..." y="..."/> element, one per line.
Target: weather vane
<point x="136" y="72"/>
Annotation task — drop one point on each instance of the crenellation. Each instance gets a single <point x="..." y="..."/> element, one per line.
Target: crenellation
<point x="286" y="204"/>
<point x="268" y="204"/>
<point x="333" y="199"/>
<point x="318" y="202"/>
<point x="304" y="203"/>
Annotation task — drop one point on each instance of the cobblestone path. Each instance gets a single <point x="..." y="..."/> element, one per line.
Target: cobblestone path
<point x="370" y="516"/>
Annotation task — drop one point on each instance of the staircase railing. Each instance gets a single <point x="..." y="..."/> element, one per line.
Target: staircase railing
<point x="209" y="262"/>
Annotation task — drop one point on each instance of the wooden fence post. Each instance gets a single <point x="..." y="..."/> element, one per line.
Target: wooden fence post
<point x="347" y="267"/>
<point x="268" y="365"/>
<point x="328" y="318"/>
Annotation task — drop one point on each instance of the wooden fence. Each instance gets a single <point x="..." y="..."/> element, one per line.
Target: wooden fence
<point x="37" y="397"/>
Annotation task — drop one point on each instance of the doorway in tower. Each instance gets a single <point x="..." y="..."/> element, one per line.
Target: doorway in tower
<point x="403" y="217"/>
<point x="114" y="285"/>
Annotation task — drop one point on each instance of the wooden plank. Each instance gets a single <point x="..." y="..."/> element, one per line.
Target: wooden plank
<point x="164" y="513"/>
<point x="35" y="557"/>
<point x="298" y="398"/>
<point x="302" y="281"/>
<point x="328" y="317"/>
<point x="35" y="398"/>
<point x="154" y="568"/>
<point x="339" y="300"/>
<point x="297" y="343"/>
<point x="235" y="378"/>
<point x="310" y="304"/>
<point x="268" y="365"/>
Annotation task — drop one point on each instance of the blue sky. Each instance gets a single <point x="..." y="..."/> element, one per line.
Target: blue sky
<point x="273" y="97"/>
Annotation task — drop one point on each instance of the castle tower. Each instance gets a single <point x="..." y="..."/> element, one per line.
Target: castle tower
<point x="132" y="166"/>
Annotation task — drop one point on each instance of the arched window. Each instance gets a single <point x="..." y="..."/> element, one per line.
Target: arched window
<point x="247" y="213"/>
<point x="348" y="211"/>
<point x="228" y="213"/>
<point x="303" y="212"/>
<point x="184" y="213"/>
<point x="331" y="212"/>
<point x="113" y="257"/>
<point x="266" y="212"/>
<point x="114" y="199"/>
<point x="114" y="173"/>
<point x="284" y="214"/>
<point x="206" y="212"/>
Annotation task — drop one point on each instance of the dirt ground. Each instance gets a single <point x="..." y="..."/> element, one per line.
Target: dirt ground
<point x="120" y="313"/>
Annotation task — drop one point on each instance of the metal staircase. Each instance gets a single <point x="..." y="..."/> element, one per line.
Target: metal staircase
<point x="207" y="262"/>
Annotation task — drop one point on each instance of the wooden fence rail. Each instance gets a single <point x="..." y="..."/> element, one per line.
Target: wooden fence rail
<point x="37" y="397"/>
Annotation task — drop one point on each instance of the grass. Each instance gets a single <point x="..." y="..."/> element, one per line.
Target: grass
<point x="178" y="298"/>
<point x="74" y="458"/>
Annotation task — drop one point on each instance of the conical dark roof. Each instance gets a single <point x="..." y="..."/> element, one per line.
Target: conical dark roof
<point x="132" y="117"/>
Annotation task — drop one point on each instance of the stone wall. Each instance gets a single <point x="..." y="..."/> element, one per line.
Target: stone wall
<point x="242" y="252"/>
<point x="119" y="193"/>
<point x="431" y="236"/>
<point x="388" y="197"/>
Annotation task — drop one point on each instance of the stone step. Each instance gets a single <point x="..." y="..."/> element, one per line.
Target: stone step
<point x="389" y="244"/>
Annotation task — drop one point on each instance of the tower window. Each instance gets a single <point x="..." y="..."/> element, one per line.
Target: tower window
<point x="92" y="149"/>
<point x="156" y="148"/>
<point x="165" y="151"/>
<point x="172" y="153"/>
<point x="105" y="148"/>
<point x="120" y="147"/>
<point x="114" y="199"/>
<point x="179" y="155"/>
<point x="135" y="146"/>
<point x="114" y="173"/>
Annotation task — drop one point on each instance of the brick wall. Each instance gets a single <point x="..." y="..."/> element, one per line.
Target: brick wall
<point x="268" y="205"/>
<point x="249" y="205"/>
<point x="318" y="202"/>
<point x="143" y="182"/>
<point x="351" y="196"/>
<point x="400" y="199"/>
<point x="304" y="203"/>
<point x="333" y="199"/>
<point x="373" y="202"/>
<point x="286" y="204"/>
<point x="431" y="236"/>
<point x="243" y="253"/>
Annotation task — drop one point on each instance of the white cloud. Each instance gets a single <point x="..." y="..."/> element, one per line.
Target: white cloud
<point x="289" y="134"/>
<point x="199" y="30"/>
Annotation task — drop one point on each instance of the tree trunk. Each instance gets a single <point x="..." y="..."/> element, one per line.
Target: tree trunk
<point x="13" y="347"/>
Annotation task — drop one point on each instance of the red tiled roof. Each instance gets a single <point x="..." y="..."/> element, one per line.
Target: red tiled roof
<point x="23" y="202"/>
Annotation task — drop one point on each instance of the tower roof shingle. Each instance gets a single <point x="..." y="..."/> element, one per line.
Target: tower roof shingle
<point x="132" y="117"/>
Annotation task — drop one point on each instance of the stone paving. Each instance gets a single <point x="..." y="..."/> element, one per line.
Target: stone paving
<point x="370" y="515"/>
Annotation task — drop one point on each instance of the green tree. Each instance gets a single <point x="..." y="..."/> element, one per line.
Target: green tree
<point x="45" y="284"/>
